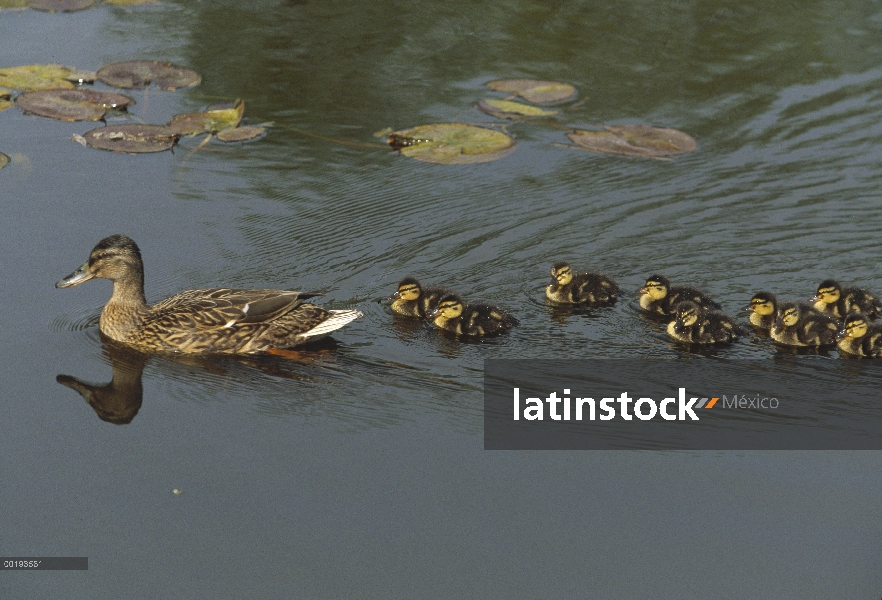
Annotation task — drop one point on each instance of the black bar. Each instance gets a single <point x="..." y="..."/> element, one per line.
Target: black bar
<point x="44" y="563"/>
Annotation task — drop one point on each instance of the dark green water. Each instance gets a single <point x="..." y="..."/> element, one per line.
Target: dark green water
<point x="360" y="472"/>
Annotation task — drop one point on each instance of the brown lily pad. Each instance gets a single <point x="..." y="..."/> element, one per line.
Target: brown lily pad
<point x="635" y="140"/>
<point x="132" y="138"/>
<point x="71" y="105"/>
<point x="534" y="90"/>
<point x="4" y="160"/>
<point x="61" y="5"/>
<point x="452" y="143"/>
<point x="130" y="2"/>
<point x="141" y="73"/>
<point x="240" y="134"/>
<point x="506" y="109"/>
<point x="210" y="121"/>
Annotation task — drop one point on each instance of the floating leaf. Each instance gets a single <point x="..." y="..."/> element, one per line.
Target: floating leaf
<point x="533" y="90"/>
<point x="506" y="109"/>
<point x="132" y="138"/>
<point x="209" y="121"/>
<point x="240" y="134"/>
<point x="4" y="104"/>
<point x="61" y="5"/>
<point x="80" y="75"/>
<point x="452" y="143"/>
<point x="36" y="77"/>
<point x="5" y="95"/>
<point x="635" y="140"/>
<point x="13" y="3"/>
<point x="141" y="73"/>
<point x="4" y="160"/>
<point x="71" y="105"/>
<point x="130" y="2"/>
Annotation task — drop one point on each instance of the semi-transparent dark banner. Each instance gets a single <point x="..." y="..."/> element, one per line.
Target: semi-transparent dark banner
<point x="790" y="403"/>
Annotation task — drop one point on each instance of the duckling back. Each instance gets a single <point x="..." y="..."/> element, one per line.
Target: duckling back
<point x="696" y="325"/>
<point x="589" y="288"/>
<point x="811" y="328"/>
<point x="481" y="319"/>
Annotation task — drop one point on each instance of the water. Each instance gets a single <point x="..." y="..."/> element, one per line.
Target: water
<point x="359" y="471"/>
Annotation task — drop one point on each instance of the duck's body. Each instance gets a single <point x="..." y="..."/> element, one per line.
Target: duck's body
<point x="215" y="321"/>
<point x="588" y="288"/>
<point x="696" y="325"/>
<point x="860" y="338"/>
<point x="413" y="300"/>
<point x="834" y="300"/>
<point x="475" y="319"/>
<point x="763" y="309"/>
<point x="799" y="324"/>
<point x="659" y="297"/>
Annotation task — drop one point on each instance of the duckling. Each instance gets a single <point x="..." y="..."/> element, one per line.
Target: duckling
<point x="798" y="324"/>
<point x="860" y="338"/>
<point x="413" y="300"/>
<point x="837" y="301"/>
<point x="696" y="325"/>
<point x="589" y="288"/>
<point x="474" y="319"/>
<point x="213" y="321"/>
<point x="658" y="297"/>
<point x="763" y="310"/>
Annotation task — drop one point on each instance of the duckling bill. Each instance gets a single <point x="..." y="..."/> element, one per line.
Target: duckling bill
<point x="473" y="319"/>
<point x="799" y="324"/>
<point x="413" y="300"/>
<point x="860" y="338"/>
<point x="585" y="288"/>
<point x="834" y="300"/>
<point x="220" y="320"/>
<point x="658" y="296"/>
<point x="697" y="325"/>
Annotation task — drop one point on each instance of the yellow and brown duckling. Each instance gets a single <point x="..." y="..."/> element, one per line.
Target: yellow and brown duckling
<point x="413" y="300"/>
<point x="658" y="296"/>
<point x="763" y="310"/>
<point x="475" y="319"/>
<point x="210" y="321"/>
<point x="588" y="288"/>
<point x="837" y="301"/>
<point x="697" y="325"/>
<point x="860" y="338"/>
<point x="798" y="324"/>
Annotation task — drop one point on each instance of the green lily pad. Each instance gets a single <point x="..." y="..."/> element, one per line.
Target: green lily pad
<point x="506" y="109"/>
<point x="452" y="143"/>
<point x="4" y="160"/>
<point x="36" y="77"/>
<point x="635" y="140"/>
<point x="209" y="121"/>
<point x="80" y="75"/>
<point x="13" y="3"/>
<point x="130" y="2"/>
<point x="240" y="134"/>
<point x="534" y="90"/>
<point x="141" y="73"/>
<point x="61" y="5"/>
<point x="5" y="96"/>
<point x="71" y="105"/>
<point x="132" y="138"/>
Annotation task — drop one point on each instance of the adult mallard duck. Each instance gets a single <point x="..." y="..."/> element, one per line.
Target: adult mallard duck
<point x="587" y="288"/>
<point x="660" y="297"/>
<point x="475" y="319"/>
<point x="838" y="302"/>
<point x="696" y="325"/>
<point x="221" y="320"/>
<point x="413" y="300"/>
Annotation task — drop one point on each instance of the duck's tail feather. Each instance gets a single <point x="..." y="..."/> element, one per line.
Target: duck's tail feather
<point x="338" y="319"/>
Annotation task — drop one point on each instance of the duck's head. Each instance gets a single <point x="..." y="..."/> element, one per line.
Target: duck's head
<point x="561" y="273"/>
<point x="855" y="327"/>
<point x="115" y="257"/>
<point x="788" y="315"/>
<point x="688" y="313"/>
<point x="763" y="304"/>
<point x="449" y="307"/>
<point x="828" y="292"/>
<point x="408" y="289"/>
<point x="656" y="287"/>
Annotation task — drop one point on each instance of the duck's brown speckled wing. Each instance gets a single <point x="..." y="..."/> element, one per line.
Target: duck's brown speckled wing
<point x="225" y="307"/>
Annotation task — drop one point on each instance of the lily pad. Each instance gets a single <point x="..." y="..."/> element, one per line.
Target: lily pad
<point x="240" y="134"/>
<point x="13" y="4"/>
<point x="71" y="105"/>
<point x="141" y="73"/>
<point x="452" y="143"/>
<point x="36" y="77"/>
<point x="130" y="2"/>
<point x="80" y="75"/>
<point x="4" y="160"/>
<point x="5" y="96"/>
<point x="61" y="5"/>
<point x="210" y="121"/>
<point x="534" y="90"/>
<point x="635" y="140"/>
<point x="506" y="109"/>
<point x="132" y="138"/>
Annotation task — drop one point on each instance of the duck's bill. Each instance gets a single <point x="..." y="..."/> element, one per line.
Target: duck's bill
<point x="643" y="290"/>
<point x="394" y="296"/>
<point x="748" y="308"/>
<point x="841" y="333"/>
<point x="433" y="314"/>
<point x="77" y="277"/>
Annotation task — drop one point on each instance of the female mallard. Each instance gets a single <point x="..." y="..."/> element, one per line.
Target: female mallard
<point x="413" y="300"/>
<point x="763" y="310"/>
<point x="589" y="288"/>
<point x="660" y="297"/>
<point x="476" y="319"/>
<point x="222" y="320"/>
<point x="859" y="338"/>
<point x="799" y="324"/>
<point x="696" y="325"/>
<point x="838" y="302"/>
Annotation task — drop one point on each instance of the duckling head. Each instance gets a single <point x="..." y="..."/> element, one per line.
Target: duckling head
<point x="828" y="292"/>
<point x="789" y="315"/>
<point x="763" y="303"/>
<point x="115" y="257"/>
<point x="688" y="313"/>
<point x="656" y="287"/>
<point x="855" y="327"/>
<point x="561" y="273"/>
<point x="408" y="289"/>
<point x="449" y="307"/>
